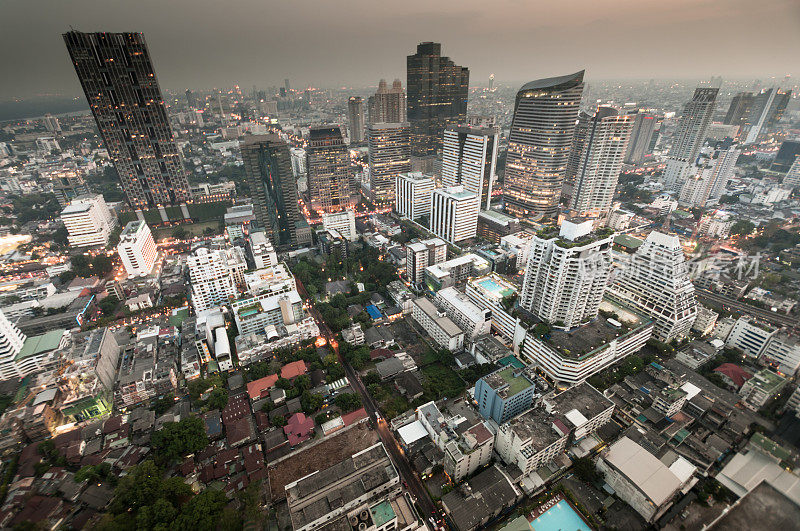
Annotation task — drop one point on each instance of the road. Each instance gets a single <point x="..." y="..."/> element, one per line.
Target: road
<point x="407" y="474"/>
<point x="780" y="319"/>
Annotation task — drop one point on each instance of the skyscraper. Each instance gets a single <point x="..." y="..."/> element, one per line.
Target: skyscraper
<point x="656" y="281"/>
<point x="437" y="97"/>
<point x="330" y="178"/>
<point x="120" y="85"/>
<point x="739" y="109"/>
<point x="469" y="157"/>
<point x="566" y="274"/>
<point x="212" y="281"/>
<point x="644" y="125"/>
<point x="600" y="161"/>
<point x="387" y="105"/>
<point x="689" y="136"/>
<point x="768" y="108"/>
<point x="191" y="99"/>
<point x="11" y="342"/>
<point x="389" y="156"/>
<point x="272" y="186"/>
<point x="539" y="144"/>
<point x="413" y="195"/>
<point x="355" y="115"/>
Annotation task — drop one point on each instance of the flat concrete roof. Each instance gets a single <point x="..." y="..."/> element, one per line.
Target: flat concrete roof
<point x="643" y="469"/>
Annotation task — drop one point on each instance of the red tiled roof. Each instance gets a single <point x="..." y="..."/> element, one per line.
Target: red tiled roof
<point x="738" y="375"/>
<point x="480" y="432"/>
<point x="238" y="431"/>
<point x="381" y="353"/>
<point x="354" y="416"/>
<point x="261" y="387"/>
<point x="293" y="369"/>
<point x="298" y="428"/>
<point x="238" y="407"/>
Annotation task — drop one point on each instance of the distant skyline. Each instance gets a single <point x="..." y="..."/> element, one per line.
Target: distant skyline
<point x="204" y="44"/>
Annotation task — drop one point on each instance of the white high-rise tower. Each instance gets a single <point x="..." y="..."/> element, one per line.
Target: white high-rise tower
<point x="468" y="159"/>
<point x="689" y="136"/>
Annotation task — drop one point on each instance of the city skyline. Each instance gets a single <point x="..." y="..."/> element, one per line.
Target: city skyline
<point x="193" y="46"/>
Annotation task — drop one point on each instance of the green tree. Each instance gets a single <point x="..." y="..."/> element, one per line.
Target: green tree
<point x="310" y="402"/>
<point x="742" y="227"/>
<point x="347" y="402"/>
<point x="177" y="439"/>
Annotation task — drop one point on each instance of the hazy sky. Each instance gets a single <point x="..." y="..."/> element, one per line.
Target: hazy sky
<point x="216" y="43"/>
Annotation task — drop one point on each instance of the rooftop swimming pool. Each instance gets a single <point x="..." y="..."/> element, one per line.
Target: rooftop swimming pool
<point x="560" y="517"/>
<point x="490" y="285"/>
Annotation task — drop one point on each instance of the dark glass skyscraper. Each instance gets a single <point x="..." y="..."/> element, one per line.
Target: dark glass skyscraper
<point x="268" y="168"/>
<point x="437" y="90"/>
<point x="539" y="144"/>
<point x="120" y="85"/>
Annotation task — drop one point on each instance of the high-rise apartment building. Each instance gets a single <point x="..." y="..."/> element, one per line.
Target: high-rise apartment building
<point x="539" y="144"/>
<point x="767" y="110"/>
<point x="469" y="158"/>
<point x="387" y="105"/>
<point x="689" y="136"/>
<point x="11" y="342"/>
<point x="792" y="179"/>
<point x="137" y="249"/>
<point x="212" y="281"/>
<point x="272" y="185"/>
<point x="412" y="197"/>
<point x="437" y="97"/>
<point x="355" y="115"/>
<point x="389" y="156"/>
<point x="600" y="155"/>
<point x="644" y="125"/>
<point x="330" y="178"/>
<point x="118" y="79"/>
<point x="88" y="221"/>
<point x="191" y="99"/>
<point x="423" y="254"/>
<point x="261" y="251"/>
<point x="709" y="176"/>
<point x="51" y="124"/>
<point x="454" y="213"/>
<point x="566" y="274"/>
<point x="656" y="281"/>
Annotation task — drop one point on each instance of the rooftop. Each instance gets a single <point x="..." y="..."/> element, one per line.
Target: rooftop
<point x="535" y="425"/>
<point x="40" y="344"/>
<point x="447" y="325"/>
<point x="508" y="376"/>
<point x="643" y="469"/>
<point x="765" y="504"/>
<point x="586" y="399"/>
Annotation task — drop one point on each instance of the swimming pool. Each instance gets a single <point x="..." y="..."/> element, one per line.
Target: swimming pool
<point x="560" y="517"/>
<point x="490" y="285"/>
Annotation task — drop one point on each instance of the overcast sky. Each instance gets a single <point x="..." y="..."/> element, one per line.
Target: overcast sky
<point x="217" y="43"/>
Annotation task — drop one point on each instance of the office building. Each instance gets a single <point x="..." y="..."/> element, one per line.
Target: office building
<point x="437" y="97"/>
<point x="387" y="105"/>
<point x="539" y="145"/>
<point x="644" y="126"/>
<point x="454" y="213"/>
<point x="412" y="197"/>
<point x="689" y="136"/>
<point x="739" y="109"/>
<point x="420" y="255"/>
<point x="656" y="281"/>
<point x="439" y="327"/>
<point x="261" y="251"/>
<point x="469" y="157"/>
<point x="493" y="225"/>
<point x="212" y="283"/>
<point x="298" y="156"/>
<point x="782" y="353"/>
<point x="787" y="155"/>
<point x="792" y="178"/>
<point x="566" y="274"/>
<point x="137" y="249"/>
<point x="191" y="99"/>
<point x="750" y="336"/>
<point x="343" y="222"/>
<point x="504" y="394"/>
<point x="600" y="154"/>
<point x="389" y="156"/>
<point x="355" y="116"/>
<point x="330" y="178"/>
<point x="88" y="221"/>
<point x="120" y="84"/>
<point x="274" y="191"/>
<point x="767" y="110"/>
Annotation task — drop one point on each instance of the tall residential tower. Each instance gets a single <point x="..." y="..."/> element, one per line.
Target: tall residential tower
<point x="330" y="179"/>
<point x="469" y="157"/>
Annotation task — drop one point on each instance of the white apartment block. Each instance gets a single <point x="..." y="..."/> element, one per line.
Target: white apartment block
<point x="11" y="342"/>
<point x="270" y="280"/>
<point x="472" y="320"/>
<point x="706" y="321"/>
<point x="236" y="263"/>
<point x="782" y="353"/>
<point x="261" y="251"/>
<point x="88" y="221"/>
<point x="750" y="336"/>
<point x="265" y="313"/>
<point x="412" y="196"/>
<point x="469" y="157"/>
<point x="656" y="281"/>
<point x="439" y="327"/>
<point x="717" y="225"/>
<point x="342" y="222"/>
<point x="423" y="254"/>
<point x="137" y="249"/>
<point x="519" y="243"/>
<point x="491" y="292"/>
<point x="298" y="156"/>
<point x="566" y="275"/>
<point x="454" y="213"/>
<point x="455" y="271"/>
<point x="211" y="280"/>
<point x="531" y="440"/>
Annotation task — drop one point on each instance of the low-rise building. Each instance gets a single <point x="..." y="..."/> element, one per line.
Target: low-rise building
<point x="444" y="331"/>
<point x="750" y="336"/>
<point x="472" y="320"/>
<point x="760" y="388"/>
<point x="504" y="394"/>
<point x="455" y="272"/>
